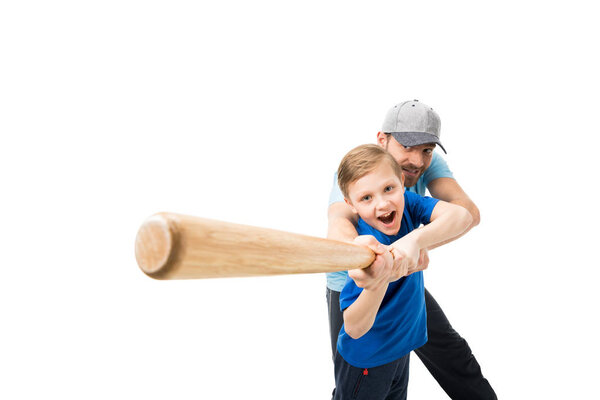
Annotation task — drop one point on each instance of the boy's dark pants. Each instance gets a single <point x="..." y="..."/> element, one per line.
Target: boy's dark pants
<point x="387" y="382"/>
<point x="446" y="354"/>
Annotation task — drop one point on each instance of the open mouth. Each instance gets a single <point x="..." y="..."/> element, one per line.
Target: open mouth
<point x="388" y="218"/>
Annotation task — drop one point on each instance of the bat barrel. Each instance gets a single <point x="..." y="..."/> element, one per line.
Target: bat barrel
<point x="175" y="246"/>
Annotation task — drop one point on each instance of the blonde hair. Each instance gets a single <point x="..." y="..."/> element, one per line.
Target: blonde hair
<point x="362" y="160"/>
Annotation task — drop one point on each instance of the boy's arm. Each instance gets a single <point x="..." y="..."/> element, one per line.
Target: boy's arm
<point x="447" y="222"/>
<point x="360" y="316"/>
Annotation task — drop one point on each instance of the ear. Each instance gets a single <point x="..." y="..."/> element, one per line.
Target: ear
<point x="382" y="139"/>
<point x="402" y="179"/>
<point x="351" y="206"/>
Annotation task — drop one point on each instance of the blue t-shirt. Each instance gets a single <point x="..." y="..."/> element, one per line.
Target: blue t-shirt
<point x="401" y="322"/>
<point x="437" y="169"/>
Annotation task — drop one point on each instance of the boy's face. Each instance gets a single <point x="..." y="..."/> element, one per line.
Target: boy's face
<point x="378" y="198"/>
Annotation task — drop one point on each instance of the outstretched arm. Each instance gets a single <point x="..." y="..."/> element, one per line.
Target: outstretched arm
<point x="448" y="221"/>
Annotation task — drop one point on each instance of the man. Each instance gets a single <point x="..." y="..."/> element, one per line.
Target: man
<point x="411" y="131"/>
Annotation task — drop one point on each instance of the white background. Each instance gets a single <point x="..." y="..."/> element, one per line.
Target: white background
<point x="240" y="111"/>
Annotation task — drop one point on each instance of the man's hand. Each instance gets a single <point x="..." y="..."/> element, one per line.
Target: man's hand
<point x="380" y="271"/>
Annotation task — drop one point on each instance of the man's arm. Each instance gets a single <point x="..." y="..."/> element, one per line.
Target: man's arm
<point x="448" y="190"/>
<point x="341" y="222"/>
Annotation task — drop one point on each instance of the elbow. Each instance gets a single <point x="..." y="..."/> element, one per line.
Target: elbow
<point x="476" y="217"/>
<point x="355" y="329"/>
<point x="466" y="219"/>
<point x="354" y="332"/>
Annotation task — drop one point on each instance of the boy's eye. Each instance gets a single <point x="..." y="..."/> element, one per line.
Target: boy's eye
<point x="388" y="188"/>
<point x="366" y="198"/>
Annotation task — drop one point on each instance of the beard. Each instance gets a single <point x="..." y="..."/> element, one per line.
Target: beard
<point x="410" y="179"/>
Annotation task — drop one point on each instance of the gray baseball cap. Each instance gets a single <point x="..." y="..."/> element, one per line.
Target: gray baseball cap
<point x="413" y="123"/>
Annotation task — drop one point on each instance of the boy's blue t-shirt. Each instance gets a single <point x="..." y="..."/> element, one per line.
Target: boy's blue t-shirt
<point x="401" y="322"/>
<point x="437" y="169"/>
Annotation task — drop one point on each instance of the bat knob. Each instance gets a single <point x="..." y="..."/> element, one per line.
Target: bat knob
<point x="154" y="244"/>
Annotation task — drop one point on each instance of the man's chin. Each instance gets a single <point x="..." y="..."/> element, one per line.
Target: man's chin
<point x="410" y="182"/>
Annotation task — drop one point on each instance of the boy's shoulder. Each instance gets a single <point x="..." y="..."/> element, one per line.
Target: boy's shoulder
<point x="418" y="208"/>
<point x="412" y="200"/>
<point x="411" y="197"/>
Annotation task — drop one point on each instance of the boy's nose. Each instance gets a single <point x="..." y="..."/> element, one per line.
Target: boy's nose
<point x="382" y="203"/>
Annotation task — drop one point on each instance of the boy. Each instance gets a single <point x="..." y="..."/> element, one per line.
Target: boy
<point x="386" y="319"/>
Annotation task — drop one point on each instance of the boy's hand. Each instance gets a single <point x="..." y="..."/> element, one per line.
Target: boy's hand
<point x="380" y="271"/>
<point x="422" y="264"/>
<point x="407" y="252"/>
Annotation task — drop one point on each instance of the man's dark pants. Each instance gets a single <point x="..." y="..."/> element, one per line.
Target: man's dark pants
<point x="446" y="354"/>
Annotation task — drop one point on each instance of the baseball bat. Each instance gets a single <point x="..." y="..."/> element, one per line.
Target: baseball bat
<point x="175" y="246"/>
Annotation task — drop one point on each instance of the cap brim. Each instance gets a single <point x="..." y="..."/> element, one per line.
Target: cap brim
<point x="410" y="139"/>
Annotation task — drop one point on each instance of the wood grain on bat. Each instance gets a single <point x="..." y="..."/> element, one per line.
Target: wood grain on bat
<point x="175" y="246"/>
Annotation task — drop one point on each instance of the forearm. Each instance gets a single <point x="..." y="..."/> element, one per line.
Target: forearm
<point x="468" y="204"/>
<point x="472" y="209"/>
<point x="448" y="223"/>
<point x="448" y="190"/>
<point x="448" y="240"/>
<point x="360" y="316"/>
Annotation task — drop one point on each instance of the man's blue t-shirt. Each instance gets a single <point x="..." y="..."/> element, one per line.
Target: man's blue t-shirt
<point x="401" y="322"/>
<point x="437" y="169"/>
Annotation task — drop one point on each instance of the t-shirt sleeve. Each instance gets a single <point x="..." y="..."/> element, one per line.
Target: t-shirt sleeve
<point x="420" y="207"/>
<point x="437" y="169"/>
<point x="349" y="293"/>
<point x="336" y="194"/>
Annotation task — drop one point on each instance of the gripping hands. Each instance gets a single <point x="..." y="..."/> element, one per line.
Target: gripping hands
<point x="402" y="258"/>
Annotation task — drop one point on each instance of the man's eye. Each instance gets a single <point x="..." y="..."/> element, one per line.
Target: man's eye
<point x="428" y="151"/>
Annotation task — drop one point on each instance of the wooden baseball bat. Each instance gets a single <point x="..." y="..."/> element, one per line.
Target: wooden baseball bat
<point x="174" y="246"/>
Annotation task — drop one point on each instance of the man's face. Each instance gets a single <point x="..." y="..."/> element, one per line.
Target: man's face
<point x="378" y="198"/>
<point x="413" y="160"/>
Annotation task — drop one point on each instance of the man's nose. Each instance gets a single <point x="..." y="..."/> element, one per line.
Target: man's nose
<point x="416" y="159"/>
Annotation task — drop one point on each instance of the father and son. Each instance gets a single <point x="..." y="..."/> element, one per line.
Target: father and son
<point x="378" y="315"/>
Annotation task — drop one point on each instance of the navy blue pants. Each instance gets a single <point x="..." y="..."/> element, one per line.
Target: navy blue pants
<point x="446" y="354"/>
<point x="386" y="382"/>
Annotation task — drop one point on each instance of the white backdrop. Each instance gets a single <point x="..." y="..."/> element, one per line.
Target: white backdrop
<point x="240" y="111"/>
